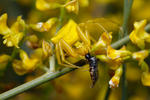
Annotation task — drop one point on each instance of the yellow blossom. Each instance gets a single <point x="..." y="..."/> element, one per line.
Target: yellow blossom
<point x="18" y="26"/>
<point x="18" y="67"/>
<point x="72" y="6"/>
<point x="139" y="36"/>
<point x="115" y="54"/>
<point x="29" y="63"/>
<point x="112" y="63"/>
<point x="12" y="36"/>
<point x="101" y="46"/>
<point x="140" y="55"/>
<point x="115" y="58"/>
<point x="4" y="60"/>
<point x="44" y="26"/>
<point x="45" y="5"/>
<point x="13" y="39"/>
<point x="145" y="78"/>
<point x="33" y="38"/>
<point x="3" y="25"/>
<point x="114" y="82"/>
<point x="38" y="54"/>
<point x="25" y="65"/>
<point x="46" y="47"/>
<point x="144" y="66"/>
<point x="32" y="41"/>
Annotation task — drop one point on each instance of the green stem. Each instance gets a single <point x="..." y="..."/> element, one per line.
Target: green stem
<point x="127" y="10"/>
<point x="61" y="18"/>
<point x="44" y="78"/>
<point x="120" y="42"/>
<point x="107" y="93"/>
<point x="124" y="85"/>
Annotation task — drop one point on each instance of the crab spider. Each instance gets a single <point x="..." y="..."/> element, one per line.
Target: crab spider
<point x="70" y="40"/>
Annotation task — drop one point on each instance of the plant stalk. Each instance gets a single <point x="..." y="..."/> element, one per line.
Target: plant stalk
<point x="127" y="10"/>
<point x="26" y="86"/>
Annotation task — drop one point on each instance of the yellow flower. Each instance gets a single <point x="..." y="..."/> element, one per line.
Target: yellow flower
<point x="115" y="54"/>
<point x="3" y="25"/>
<point x="13" y="39"/>
<point x="4" y="60"/>
<point x="33" y="38"/>
<point x="144" y="66"/>
<point x="38" y="54"/>
<point x="114" y="82"/>
<point x="44" y="26"/>
<point x="112" y="63"/>
<point x="115" y="58"/>
<point x="140" y="55"/>
<point x="145" y="78"/>
<point x="46" y="47"/>
<point x="25" y="65"/>
<point x="72" y="6"/>
<point x="139" y="36"/>
<point x="32" y="41"/>
<point x="28" y="63"/>
<point x="101" y="46"/>
<point x="45" y="5"/>
<point x="12" y="36"/>
<point x="68" y="32"/>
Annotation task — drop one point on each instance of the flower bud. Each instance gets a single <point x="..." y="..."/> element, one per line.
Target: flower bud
<point x="46" y="47"/>
<point x="72" y="6"/>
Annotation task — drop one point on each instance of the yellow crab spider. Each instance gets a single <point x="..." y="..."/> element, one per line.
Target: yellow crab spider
<point x="68" y="37"/>
<point x="71" y="41"/>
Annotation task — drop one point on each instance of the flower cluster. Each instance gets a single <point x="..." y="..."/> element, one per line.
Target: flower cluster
<point x="13" y="35"/>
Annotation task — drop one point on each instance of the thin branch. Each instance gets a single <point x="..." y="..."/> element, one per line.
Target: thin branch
<point x="107" y="93"/>
<point x="61" y="18"/>
<point x="26" y="86"/>
<point x="124" y="85"/>
<point x="121" y="42"/>
<point x="127" y="10"/>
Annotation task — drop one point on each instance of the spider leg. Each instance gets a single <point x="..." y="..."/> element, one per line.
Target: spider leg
<point x="84" y="37"/>
<point x="88" y="36"/>
<point x="58" y="56"/>
<point x="64" y="46"/>
<point x="99" y="25"/>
